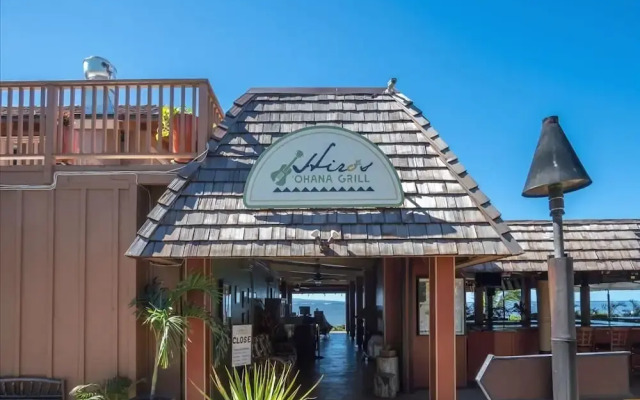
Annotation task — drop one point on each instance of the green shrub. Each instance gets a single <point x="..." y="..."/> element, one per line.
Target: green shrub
<point x="116" y="388"/>
<point x="268" y="381"/>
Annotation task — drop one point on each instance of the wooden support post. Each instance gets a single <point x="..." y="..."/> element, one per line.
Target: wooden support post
<point x="442" y="329"/>
<point x="352" y="309"/>
<point x="347" y="327"/>
<point x="585" y="302"/>
<point x="198" y="343"/>
<point x="544" y="316"/>
<point x="359" y="311"/>
<point x="478" y="305"/>
<point x="525" y="297"/>
<point x="409" y="309"/>
<point x="490" y="293"/>
<point x="370" y="309"/>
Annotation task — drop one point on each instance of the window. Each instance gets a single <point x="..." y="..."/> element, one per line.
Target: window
<point x="423" y="306"/>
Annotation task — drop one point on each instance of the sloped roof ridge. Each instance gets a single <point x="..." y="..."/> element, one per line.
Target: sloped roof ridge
<point x="461" y="174"/>
<point x="317" y="90"/>
<point x="144" y="246"/>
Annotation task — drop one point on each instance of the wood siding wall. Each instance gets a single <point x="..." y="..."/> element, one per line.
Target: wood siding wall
<point x="65" y="283"/>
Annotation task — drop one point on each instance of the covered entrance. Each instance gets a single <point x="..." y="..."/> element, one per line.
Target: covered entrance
<point x="350" y="183"/>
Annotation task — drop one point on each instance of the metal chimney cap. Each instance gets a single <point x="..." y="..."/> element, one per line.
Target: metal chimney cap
<point x="96" y="67"/>
<point x="555" y="163"/>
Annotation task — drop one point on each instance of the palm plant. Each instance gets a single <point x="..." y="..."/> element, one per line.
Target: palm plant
<point x="266" y="381"/>
<point x="167" y="313"/>
<point x="116" y="388"/>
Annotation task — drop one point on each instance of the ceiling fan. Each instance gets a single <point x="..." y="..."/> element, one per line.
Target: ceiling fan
<point x="318" y="278"/>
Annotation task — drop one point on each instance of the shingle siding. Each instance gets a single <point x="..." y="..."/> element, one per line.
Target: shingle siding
<point x="202" y="211"/>
<point x="598" y="245"/>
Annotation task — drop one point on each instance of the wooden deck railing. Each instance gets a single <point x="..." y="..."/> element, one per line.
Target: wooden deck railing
<point x="118" y="122"/>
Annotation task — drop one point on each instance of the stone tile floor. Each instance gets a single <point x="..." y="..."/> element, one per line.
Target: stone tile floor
<point x="347" y="377"/>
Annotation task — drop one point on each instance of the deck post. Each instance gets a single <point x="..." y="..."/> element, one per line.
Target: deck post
<point x="204" y="122"/>
<point x="442" y="329"/>
<point x="50" y="129"/>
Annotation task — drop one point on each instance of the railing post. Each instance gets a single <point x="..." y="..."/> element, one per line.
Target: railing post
<point x="203" y="117"/>
<point x="51" y="122"/>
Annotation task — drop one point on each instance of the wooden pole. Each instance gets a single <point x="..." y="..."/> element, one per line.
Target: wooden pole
<point x="442" y="329"/>
<point x="478" y="305"/>
<point x="585" y="303"/>
<point x="352" y="309"/>
<point x="526" y="301"/>
<point x="359" y="311"/>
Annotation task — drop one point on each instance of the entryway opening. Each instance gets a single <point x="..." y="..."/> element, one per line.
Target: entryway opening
<point x="334" y="310"/>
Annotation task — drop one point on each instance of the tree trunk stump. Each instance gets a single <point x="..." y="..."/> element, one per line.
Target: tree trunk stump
<point x="385" y="381"/>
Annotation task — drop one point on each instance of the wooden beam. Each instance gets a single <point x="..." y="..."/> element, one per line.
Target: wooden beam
<point x="442" y="329"/>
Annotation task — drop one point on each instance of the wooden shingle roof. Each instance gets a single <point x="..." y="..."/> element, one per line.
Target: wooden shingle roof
<point x="594" y="245"/>
<point x="444" y="213"/>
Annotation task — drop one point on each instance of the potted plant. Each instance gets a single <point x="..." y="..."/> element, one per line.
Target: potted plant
<point x="172" y="118"/>
<point x="268" y="381"/>
<point x="116" y="388"/>
<point x="166" y="312"/>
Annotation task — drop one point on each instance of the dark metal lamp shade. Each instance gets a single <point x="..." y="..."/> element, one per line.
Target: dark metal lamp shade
<point x="555" y="163"/>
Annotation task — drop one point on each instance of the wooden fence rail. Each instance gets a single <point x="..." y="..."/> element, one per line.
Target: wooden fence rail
<point x="117" y="122"/>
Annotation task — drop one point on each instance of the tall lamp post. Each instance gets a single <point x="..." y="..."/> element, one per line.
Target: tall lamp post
<point x="556" y="170"/>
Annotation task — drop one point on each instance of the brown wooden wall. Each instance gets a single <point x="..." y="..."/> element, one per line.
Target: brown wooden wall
<point x="420" y="346"/>
<point x="500" y="343"/>
<point x="393" y="281"/>
<point x="397" y="318"/>
<point x="65" y="283"/>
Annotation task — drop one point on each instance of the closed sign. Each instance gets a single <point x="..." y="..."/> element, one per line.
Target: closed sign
<point x="241" y="345"/>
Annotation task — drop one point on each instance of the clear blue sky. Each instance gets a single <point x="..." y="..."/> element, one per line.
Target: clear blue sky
<point x="484" y="73"/>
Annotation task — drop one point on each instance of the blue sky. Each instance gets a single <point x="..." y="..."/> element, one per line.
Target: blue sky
<point x="484" y="73"/>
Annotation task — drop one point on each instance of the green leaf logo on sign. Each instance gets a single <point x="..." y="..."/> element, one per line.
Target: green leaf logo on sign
<point x="323" y="167"/>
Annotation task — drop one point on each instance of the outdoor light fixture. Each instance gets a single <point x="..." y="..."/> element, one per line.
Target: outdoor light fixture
<point x="324" y="244"/>
<point x="556" y="170"/>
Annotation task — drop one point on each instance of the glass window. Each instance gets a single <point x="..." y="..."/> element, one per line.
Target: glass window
<point x="423" y="306"/>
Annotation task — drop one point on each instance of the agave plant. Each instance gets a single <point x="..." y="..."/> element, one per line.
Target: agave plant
<point x="116" y="388"/>
<point x="268" y="381"/>
<point x="167" y="312"/>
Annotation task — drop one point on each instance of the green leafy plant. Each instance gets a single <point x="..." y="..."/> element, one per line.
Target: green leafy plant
<point x="116" y="388"/>
<point x="268" y="381"/>
<point x="166" y="312"/>
<point x="168" y="114"/>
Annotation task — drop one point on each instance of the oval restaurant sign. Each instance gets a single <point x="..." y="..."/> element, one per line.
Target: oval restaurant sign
<point x="323" y="167"/>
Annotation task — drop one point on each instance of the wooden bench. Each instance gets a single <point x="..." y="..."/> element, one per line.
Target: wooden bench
<point x="24" y="388"/>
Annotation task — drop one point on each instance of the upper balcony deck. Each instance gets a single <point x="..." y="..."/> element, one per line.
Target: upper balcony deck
<point x="125" y="125"/>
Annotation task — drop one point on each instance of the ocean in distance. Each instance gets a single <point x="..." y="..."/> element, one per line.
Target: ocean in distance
<point x="334" y="311"/>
